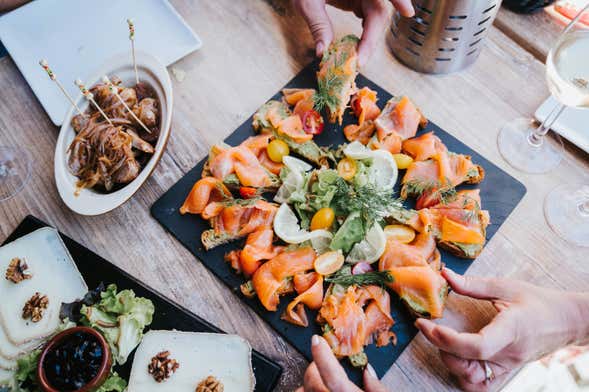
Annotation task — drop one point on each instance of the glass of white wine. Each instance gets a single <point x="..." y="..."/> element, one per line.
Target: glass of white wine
<point x="15" y="170"/>
<point x="529" y="148"/>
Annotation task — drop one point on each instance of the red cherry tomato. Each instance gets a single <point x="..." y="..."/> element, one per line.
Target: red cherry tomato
<point x="313" y="122"/>
<point x="361" y="268"/>
<point x="247" y="192"/>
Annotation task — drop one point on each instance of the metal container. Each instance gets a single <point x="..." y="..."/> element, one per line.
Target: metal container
<point x="444" y="35"/>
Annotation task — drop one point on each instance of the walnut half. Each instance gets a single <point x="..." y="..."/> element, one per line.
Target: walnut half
<point x="34" y="307"/>
<point x="161" y="367"/>
<point x="210" y="384"/>
<point x="16" y="271"/>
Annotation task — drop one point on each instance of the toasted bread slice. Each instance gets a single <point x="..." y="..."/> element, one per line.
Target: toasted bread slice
<point x="210" y="239"/>
<point x="337" y="75"/>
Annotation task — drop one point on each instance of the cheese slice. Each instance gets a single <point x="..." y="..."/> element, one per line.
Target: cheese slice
<point x="225" y="357"/>
<point x="9" y="350"/>
<point x="53" y="273"/>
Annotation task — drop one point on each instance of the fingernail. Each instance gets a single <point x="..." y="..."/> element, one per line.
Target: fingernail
<point x="371" y="371"/>
<point x="315" y="340"/>
<point x="320" y="48"/>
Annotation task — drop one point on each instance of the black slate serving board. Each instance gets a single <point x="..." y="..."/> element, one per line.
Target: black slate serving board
<point x="500" y="194"/>
<point x="168" y="315"/>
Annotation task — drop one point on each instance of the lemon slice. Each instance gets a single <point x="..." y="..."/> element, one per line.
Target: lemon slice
<point x="357" y="150"/>
<point x="383" y="171"/>
<point x="287" y="228"/>
<point x="329" y="262"/>
<point x="370" y="248"/>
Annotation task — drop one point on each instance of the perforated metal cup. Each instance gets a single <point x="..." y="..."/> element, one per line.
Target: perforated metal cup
<point x="444" y="35"/>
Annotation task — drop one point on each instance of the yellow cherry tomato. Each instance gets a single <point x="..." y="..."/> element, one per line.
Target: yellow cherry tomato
<point x="277" y="149"/>
<point x="403" y="160"/>
<point x="346" y="168"/>
<point x="323" y="219"/>
<point x="329" y="262"/>
<point x="401" y="233"/>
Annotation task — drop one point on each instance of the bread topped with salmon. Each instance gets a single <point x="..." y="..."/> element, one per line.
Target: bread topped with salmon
<point x="336" y="77"/>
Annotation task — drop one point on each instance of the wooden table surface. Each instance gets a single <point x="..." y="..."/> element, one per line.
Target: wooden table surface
<point x="251" y="49"/>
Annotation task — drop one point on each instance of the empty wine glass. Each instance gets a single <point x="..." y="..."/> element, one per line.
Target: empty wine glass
<point x="528" y="147"/>
<point x="15" y="171"/>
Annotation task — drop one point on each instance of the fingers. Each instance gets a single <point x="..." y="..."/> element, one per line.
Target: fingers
<point x="470" y="370"/>
<point x="481" y="288"/>
<point x="330" y="370"/>
<point x="466" y="345"/>
<point x="376" y="16"/>
<point x="404" y="7"/>
<point x="485" y="385"/>
<point x="314" y="13"/>
<point x="371" y="382"/>
<point x="312" y="380"/>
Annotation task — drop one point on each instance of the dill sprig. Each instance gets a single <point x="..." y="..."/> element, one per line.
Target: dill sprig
<point x="445" y="194"/>
<point x="331" y="82"/>
<point x="373" y="204"/>
<point x="377" y="278"/>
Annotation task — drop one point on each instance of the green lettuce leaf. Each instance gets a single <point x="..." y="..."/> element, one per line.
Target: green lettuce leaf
<point x="121" y="318"/>
<point x="114" y="383"/>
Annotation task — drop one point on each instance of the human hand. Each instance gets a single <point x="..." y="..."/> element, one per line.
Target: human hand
<point x="374" y="15"/>
<point x="325" y="374"/>
<point x="531" y="322"/>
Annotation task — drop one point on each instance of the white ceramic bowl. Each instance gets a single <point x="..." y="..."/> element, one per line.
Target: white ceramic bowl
<point x="88" y="201"/>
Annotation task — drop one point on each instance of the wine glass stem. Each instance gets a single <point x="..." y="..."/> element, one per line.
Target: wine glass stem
<point x="536" y="136"/>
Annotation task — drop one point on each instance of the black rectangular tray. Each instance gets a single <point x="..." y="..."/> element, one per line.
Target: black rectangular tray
<point x="500" y="194"/>
<point x="168" y="315"/>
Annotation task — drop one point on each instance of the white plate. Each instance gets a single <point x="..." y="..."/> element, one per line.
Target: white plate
<point x="90" y="202"/>
<point x="77" y="35"/>
<point x="572" y="123"/>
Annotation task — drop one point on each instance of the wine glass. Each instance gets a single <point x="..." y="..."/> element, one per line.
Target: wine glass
<point x="15" y="170"/>
<point x="527" y="147"/>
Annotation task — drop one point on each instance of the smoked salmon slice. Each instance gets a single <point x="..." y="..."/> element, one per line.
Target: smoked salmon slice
<point x="269" y="280"/>
<point x="258" y="247"/>
<point x="399" y="116"/>
<point x="354" y="317"/>
<point x="422" y="289"/>
<point x="461" y="231"/>
<point x="422" y="251"/>
<point x="468" y="199"/>
<point x="238" y="219"/>
<point x="364" y="105"/>
<point x="205" y="191"/>
<point x="241" y="161"/>
<point x="275" y="114"/>
<point x="444" y="169"/>
<point x="423" y="147"/>
<point x="303" y="99"/>
<point x="309" y="286"/>
<point x="361" y="133"/>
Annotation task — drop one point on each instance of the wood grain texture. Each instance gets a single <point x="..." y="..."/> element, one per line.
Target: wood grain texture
<point x="251" y="49"/>
<point x="535" y="32"/>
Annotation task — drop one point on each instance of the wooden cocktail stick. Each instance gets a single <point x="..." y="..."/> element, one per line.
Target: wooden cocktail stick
<point x="113" y="89"/>
<point x="43" y="63"/>
<point x="90" y="97"/>
<point x="132" y="39"/>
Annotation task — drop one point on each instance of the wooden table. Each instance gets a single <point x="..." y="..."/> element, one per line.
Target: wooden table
<point x="251" y="49"/>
